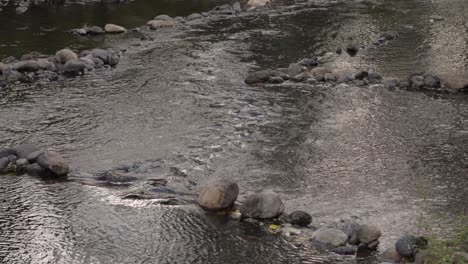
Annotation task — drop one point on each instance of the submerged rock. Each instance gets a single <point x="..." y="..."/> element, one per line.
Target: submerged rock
<point x="300" y="218"/>
<point x="330" y="237"/>
<point x="53" y="162"/>
<point x="218" y="196"/>
<point x="262" y="205"/>
<point x="352" y="49"/>
<point x="112" y="28"/>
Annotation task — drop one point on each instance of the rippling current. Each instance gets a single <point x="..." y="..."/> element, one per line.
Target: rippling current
<point x="395" y="159"/>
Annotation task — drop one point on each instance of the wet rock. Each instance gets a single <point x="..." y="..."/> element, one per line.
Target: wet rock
<point x="75" y="66"/>
<point x="374" y="77"/>
<point x="115" y="177"/>
<point x="300" y="218"/>
<point x="300" y="77"/>
<point x="156" y="24"/>
<point x="4" y="162"/>
<point x="258" y="77"/>
<point x="360" y="75"/>
<point x="114" y="29"/>
<point x="5" y="152"/>
<point x="9" y="59"/>
<point x="390" y="35"/>
<point x="431" y="81"/>
<point x="80" y="31"/>
<point x="330" y="77"/>
<point x="64" y="55"/>
<point x="164" y="18"/>
<point x="368" y="233"/>
<point x="45" y="64"/>
<point x="32" y="157"/>
<point x="350" y="228"/>
<point x="320" y="71"/>
<point x="89" y="63"/>
<point x="404" y="246"/>
<point x="218" y="196"/>
<point x="344" y="250"/>
<point x="194" y="16"/>
<point x="54" y="162"/>
<point x="455" y="83"/>
<point x="390" y="82"/>
<point x="404" y="85"/>
<point x="21" y="163"/>
<point x="84" y="53"/>
<point x="108" y="56"/>
<point x="25" y="57"/>
<point x="330" y="236"/>
<point x="262" y="205"/>
<point x="26" y="66"/>
<point x="21" y="9"/>
<point x="294" y="69"/>
<point x="352" y="49"/>
<point x="95" y="30"/>
<point x="276" y="80"/>
<point x="417" y="82"/>
<point x="339" y="51"/>
<point x="23" y="150"/>
<point x="391" y="256"/>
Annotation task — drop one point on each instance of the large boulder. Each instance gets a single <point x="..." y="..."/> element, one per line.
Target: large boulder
<point x="262" y="205"/>
<point x="23" y="150"/>
<point x="330" y="236"/>
<point x="300" y="218"/>
<point x="218" y="196"/>
<point x="64" y="55"/>
<point x="113" y="29"/>
<point x="53" y="162"/>
<point x="26" y="66"/>
<point x="368" y="234"/>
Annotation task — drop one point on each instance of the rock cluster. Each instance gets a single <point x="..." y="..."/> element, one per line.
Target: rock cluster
<point x="35" y="67"/>
<point x="28" y="158"/>
<point x="96" y="30"/>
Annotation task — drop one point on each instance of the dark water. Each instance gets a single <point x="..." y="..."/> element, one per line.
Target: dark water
<point x="395" y="159"/>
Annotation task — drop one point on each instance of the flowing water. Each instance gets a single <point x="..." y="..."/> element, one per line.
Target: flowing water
<point x="396" y="159"/>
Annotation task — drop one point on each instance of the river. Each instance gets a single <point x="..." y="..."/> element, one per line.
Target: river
<point x="395" y="159"/>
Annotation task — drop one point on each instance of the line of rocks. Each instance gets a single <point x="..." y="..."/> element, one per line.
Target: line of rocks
<point x="29" y="159"/>
<point x="308" y="71"/>
<point x="33" y="67"/>
<point x="346" y="237"/>
<point x="96" y="30"/>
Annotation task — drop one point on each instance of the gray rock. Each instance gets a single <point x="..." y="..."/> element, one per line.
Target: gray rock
<point x="95" y="30"/>
<point x="344" y="250"/>
<point x="5" y="152"/>
<point x="20" y="163"/>
<point x="114" y="29"/>
<point x="262" y="205"/>
<point x="295" y="69"/>
<point x="26" y="66"/>
<point x="275" y="80"/>
<point x="309" y="63"/>
<point x="45" y="64"/>
<point x="417" y="82"/>
<point x="33" y="169"/>
<point x="21" y="9"/>
<point x="455" y="83"/>
<point x="300" y="218"/>
<point x="75" y="66"/>
<point x="360" y="75"/>
<point x="258" y="77"/>
<point x="194" y="16"/>
<point x="374" y="77"/>
<point x="432" y="81"/>
<point x="53" y="162"/>
<point x="237" y="7"/>
<point x="64" y="55"/>
<point x="88" y="62"/>
<point x="101" y="54"/>
<point x="218" y="196"/>
<point x="405" y="246"/>
<point x="164" y="18"/>
<point x="84" y="53"/>
<point x="80" y="31"/>
<point x="350" y="228"/>
<point x="330" y="236"/>
<point x="32" y="157"/>
<point x="23" y="150"/>
<point x="391" y="256"/>
<point x="113" y="58"/>
<point x="300" y="77"/>
<point x="404" y="85"/>
<point x="368" y="233"/>
<point x="26" y="57"/>
<point x="390" y="35"/>
<point x="12" y="158"/>
<point x="330" y="77"/>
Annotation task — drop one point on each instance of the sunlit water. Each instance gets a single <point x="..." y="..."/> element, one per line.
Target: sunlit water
<point x="395" y="159"/>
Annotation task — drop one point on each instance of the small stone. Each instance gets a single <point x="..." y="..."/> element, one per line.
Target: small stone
<point x="156" y="24"/>
<point x="344" y="250"/>
<point x="352" y="49"/>
<point x="75" y="66"/>
<point x="368" y="234"/>
<point x="295" y="69"/>
<point x="431" y="81"/>
<point x="390" y="83"/>
<point x="330" y="236"/>
<point x="374" y="78"/>
<point x="390" y="35"/>
<point x="114" y="29"/>
<point x="437" y="18"/>
<point x="258" y="77"/>
<point x="417" y="81"/>
<point x="95" y="30"/>
<point x="218" y="196"/>
<point x="405" y="247"/>
<point x="309" y="63"/>
<point x="262" y="205"/>
<point x="194" y="16"/>
<point x="275" y="80"/>
<point x="21" y="162"/>
<point x="360" y="75"/>
<point x="300" y="218"/>
<point x="34" y="170"/>
<point x="64" y="55"/>
<point x="32" y="157"/>
<point x="164" y="18"/>
<point x="54" y="162"/>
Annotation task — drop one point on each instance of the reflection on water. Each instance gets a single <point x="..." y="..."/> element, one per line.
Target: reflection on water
<point x="395" y="159"/>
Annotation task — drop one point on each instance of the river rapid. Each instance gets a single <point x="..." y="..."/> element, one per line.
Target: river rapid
<point x="177" y="107"/>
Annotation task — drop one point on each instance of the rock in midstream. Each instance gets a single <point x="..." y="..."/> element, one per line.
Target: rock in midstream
<point x="262" y="205"/>
<point x="218" y="196"/>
